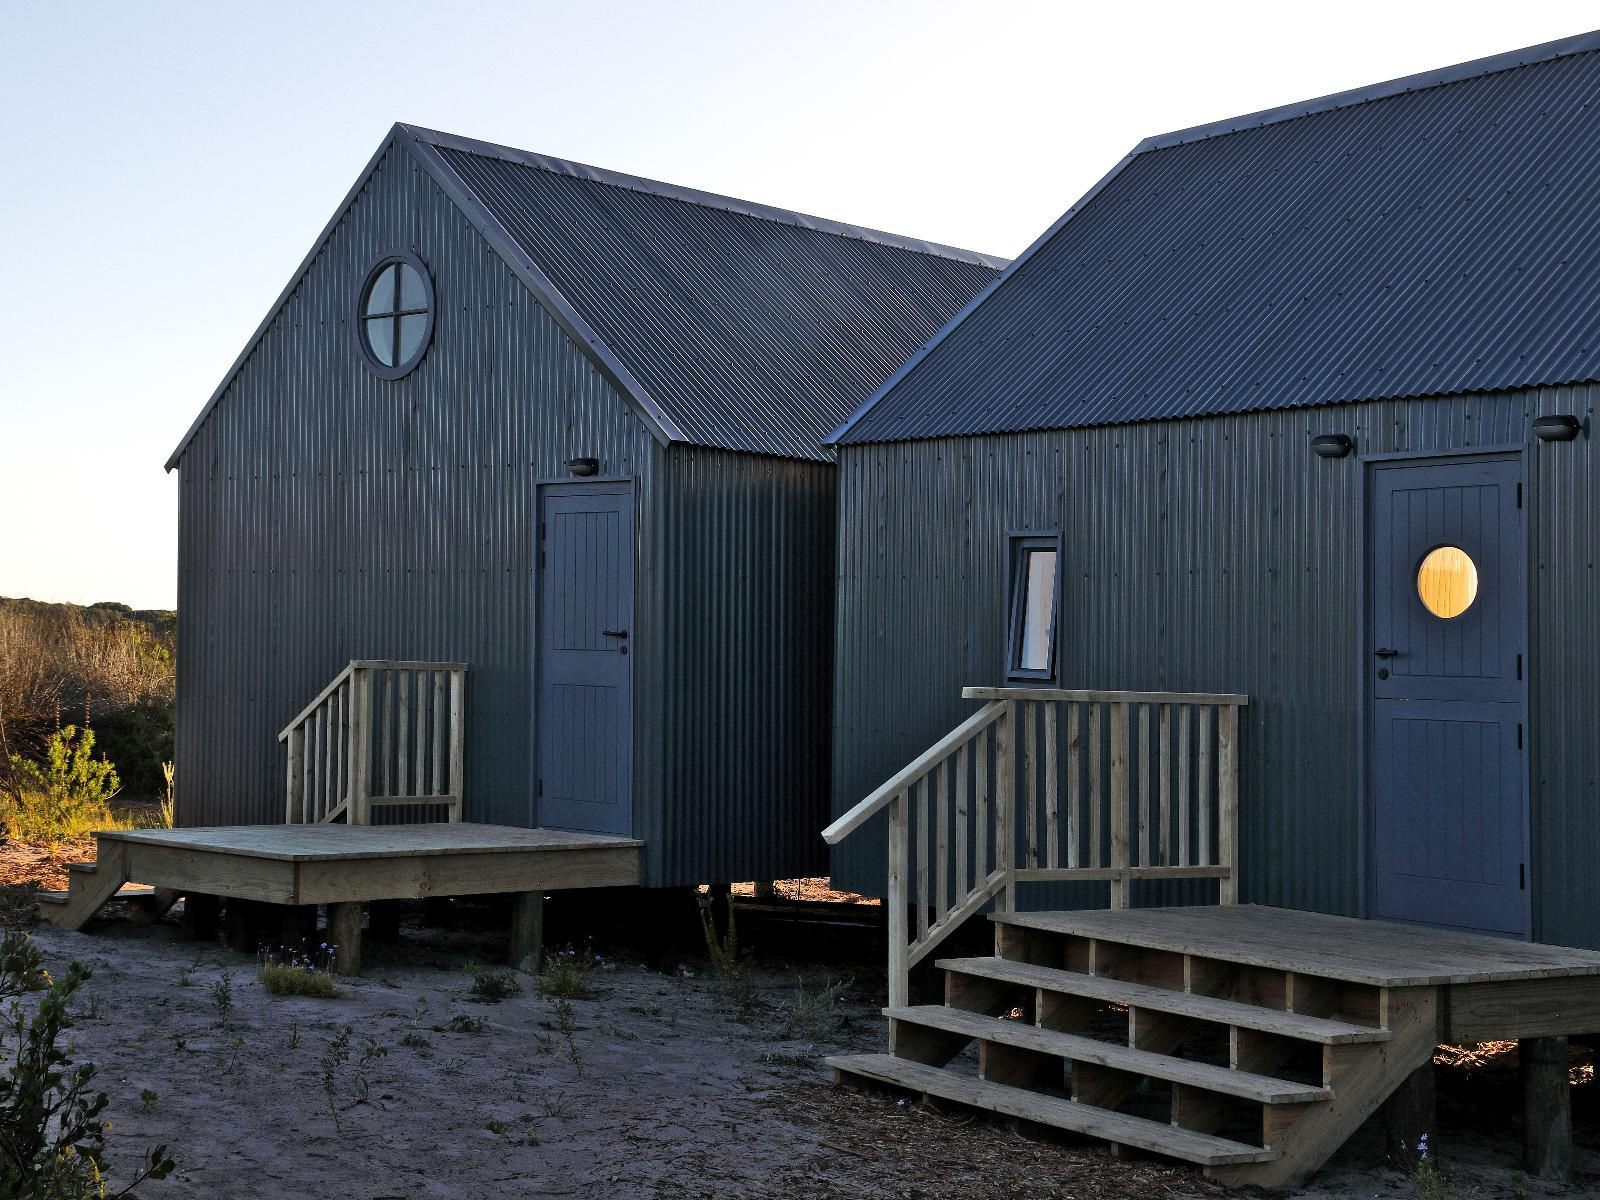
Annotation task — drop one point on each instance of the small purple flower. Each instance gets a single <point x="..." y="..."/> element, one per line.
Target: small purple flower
<point x="1422" y="1147"/>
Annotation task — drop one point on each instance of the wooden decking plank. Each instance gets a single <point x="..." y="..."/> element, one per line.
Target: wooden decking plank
<point x="1379" y="953"/>
<point x="1224" y="1080"/>
<point x="1322" y="1030"/>
<point x="303" y="843"/>
<point x="1054" y="1111"/>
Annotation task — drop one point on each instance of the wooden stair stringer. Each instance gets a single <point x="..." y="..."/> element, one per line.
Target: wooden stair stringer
<point x="1360" y="1077"/>
<point x="89" y="887"/>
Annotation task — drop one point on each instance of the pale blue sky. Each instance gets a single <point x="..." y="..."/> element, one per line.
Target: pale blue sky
<point x="166" y="166"/>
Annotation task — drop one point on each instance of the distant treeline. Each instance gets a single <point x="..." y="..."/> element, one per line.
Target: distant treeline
<point x="107" y="666"/>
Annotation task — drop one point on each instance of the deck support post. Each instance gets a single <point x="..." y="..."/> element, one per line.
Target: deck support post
<point x="201" y="913"/>
<point x="344" y="933"/>
<point x="383" y="920"/>
<point x="1546" y="1107"/>
<point x="527" y="930"/>
<point x="1410" y="1114"/>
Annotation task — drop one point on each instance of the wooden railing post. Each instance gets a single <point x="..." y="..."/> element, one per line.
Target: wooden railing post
<point x="1005" y="805"/>
<point x="458" y="746"/>
<point x="360" y="810"/>
<point x="899" y="930"/>
<point x="297" y="797"/>
<point x="1228" y="801"/>
<point x="1119" y="804"/>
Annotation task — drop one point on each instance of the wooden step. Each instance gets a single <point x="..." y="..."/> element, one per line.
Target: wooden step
<point x="83" y="868"/>
<point x="1324" y="1030"/>
<point x="50" y="897"/>
<point x="1211" y="1078"/>
<point x="1054" y="1111"/>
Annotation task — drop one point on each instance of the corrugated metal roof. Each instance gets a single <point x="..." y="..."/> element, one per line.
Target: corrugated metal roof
<point x="751" y="328"/>
<point x="725" y="323"/>
<point x="1434" y="235"/>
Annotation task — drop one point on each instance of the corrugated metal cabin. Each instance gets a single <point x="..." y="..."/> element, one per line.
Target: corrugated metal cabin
<point x="561" y="427"/>
<point x="1257" y="502"/>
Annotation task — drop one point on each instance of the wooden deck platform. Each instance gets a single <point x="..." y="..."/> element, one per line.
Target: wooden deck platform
<point x="1267" y="1035"/>
<point x="330" y="864"/>
<point x="344" y="866"/>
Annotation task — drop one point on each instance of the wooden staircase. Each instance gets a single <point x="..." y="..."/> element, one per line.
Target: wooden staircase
<point x="1256" y="1074"/>
<point x="90" y="885"/>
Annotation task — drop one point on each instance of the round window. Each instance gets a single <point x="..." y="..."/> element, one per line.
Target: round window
<point x="1447" y="581"/>
<point x="394" y="316"/>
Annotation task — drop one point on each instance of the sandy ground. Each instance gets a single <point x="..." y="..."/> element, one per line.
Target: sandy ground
<point x="665" y="1083"/>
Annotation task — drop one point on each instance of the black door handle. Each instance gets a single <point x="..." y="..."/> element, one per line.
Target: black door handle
<point x="1385" y="652"/>
<point x="621" y="633"/>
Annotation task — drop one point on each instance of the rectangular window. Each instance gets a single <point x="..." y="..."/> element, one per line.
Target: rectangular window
<point x="1035" y="596"/>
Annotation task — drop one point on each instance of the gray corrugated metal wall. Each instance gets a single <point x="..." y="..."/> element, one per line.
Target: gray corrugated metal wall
<point x="746" y="547"/>
<point x="326" y="514"/>
<point x="1210" y="554"/>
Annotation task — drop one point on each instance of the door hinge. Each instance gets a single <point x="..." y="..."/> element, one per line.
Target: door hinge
<point x="1519" y="495"/>
<point x="1519" y="666"/>
<point x="1522" y="876"/>
<point x="1519" y="735"/>
<point x="541" y="789"/>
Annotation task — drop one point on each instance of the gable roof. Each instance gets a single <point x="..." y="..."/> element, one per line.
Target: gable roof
<point x="1433" y="235"/>
<point x="723" y="323"/>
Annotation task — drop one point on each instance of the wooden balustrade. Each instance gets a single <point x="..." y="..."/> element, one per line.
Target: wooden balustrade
<point x="1055" y="786"/>
<point x="384" y="733"/>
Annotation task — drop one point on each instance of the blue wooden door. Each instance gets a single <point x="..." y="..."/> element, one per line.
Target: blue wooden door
<point x="1447" y="639"/>
<point x="584" y="670"/>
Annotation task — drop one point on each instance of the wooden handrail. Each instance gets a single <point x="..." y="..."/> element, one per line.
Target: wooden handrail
<point x="300" y="717"/>
<point x="909" y="774"/>
<point x="1123" y="786"/>
<point x="1097" y="697"/>
<point x="371" y="739"/>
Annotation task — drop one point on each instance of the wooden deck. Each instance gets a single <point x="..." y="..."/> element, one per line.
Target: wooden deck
<point x="331" y="864"/>
<point x="1270" y="1034"/>
<point x="342" y="867"/>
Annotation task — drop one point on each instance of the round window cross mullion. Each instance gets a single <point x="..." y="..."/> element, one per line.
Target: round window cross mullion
<point x="394" y="315"/>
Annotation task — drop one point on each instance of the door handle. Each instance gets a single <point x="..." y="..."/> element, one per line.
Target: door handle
<point x="617" y="633"/>
<point x="1385" y="652"/>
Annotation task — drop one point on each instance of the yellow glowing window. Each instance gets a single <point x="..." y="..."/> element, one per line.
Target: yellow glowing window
<point x="1447" y="581"/>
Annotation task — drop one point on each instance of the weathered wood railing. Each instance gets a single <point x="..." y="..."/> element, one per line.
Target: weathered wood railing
<point x="1049" y="785"/>
<point x="383" y="733"/>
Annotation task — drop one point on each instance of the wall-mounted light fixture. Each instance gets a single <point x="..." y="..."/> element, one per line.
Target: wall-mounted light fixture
<point x="1562" y="428"/>
<point x="583" y="466"/>
<point x="1332" y="445"/>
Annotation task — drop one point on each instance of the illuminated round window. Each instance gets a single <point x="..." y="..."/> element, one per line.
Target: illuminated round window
<point x="394" y="316"/>
<point x="1447" y="582"/>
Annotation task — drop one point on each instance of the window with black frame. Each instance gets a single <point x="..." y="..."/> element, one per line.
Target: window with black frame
<point x="1035" y="604"/>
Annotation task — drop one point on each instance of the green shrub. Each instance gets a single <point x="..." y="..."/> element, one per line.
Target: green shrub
<point x="565" y="975"/>
<point x="68" y="796"/>
<point x="52" y="1140"/>
<point x="286" y="973"/>
<point x="491" y="986"/>
<point x="138" y="738"/>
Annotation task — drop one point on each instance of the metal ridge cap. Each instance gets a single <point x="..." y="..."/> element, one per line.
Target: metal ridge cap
<point x="1437" y="77"/>
<point x="688" y="195"/>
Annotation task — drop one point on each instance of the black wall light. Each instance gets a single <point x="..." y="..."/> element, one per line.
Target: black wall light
<point x="1332" y="445"/>
<point x="1562" y="428"/>
<point x="583" y="466"/>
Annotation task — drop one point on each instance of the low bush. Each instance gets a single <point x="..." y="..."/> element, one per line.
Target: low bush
<point x="66" y="796"/>
<point x="52" y="1140"/>
<point x="491" y="986"/>
<point x="287" y="973"/>
<point x="565" y="975"/>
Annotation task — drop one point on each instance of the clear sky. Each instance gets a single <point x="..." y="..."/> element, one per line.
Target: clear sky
<point x="167" y="165"/>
